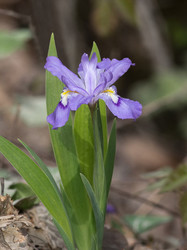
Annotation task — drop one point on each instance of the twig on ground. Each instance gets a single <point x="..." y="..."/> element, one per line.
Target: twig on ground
<point x="144" y="200"/>
<point x="14" y="14"/>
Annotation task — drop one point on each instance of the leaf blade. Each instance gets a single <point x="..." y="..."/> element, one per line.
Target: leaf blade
<point x="63" y="144"/>
<point x="38" y="181"/>
<point x="142" y="223"/>
<point x="102" y="105"/>
<point x="176" y="179"/>
<point x="83" y="133"/>
<point x="99" y="178"/>
<point x="99" y="218"/>
<point x="42" y="165"/>
<point x="110" y="156"/>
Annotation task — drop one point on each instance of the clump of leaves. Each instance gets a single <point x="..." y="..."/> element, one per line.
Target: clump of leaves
<point x="143" y="223"/>
<point x="169" y="180"/>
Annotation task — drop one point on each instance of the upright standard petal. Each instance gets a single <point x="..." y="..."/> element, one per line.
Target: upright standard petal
<point x="71" y="87"/>
<point x="116" y="67"/>
<point x="60" y="116"/>
<point x="55" y="66"/>
<point x="88" y="72"/>
<point x="121" y="107"/>
<point x="104" y="64"/>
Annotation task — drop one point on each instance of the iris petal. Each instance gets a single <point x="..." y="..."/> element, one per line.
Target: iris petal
<point x="71" y="87"/>
<point x="60" y="116"/>
<point x="76" y="100"/>
<point x="121" y="107"/>
<point x="55" y="66"/>
<point x="116" y="67"/>
<point x="89" y="72"/>
<point x="99" y="88"/>
<point x="104" y="64"/>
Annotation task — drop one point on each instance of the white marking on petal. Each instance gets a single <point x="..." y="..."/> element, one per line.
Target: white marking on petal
<point x="114" y="98"/>
<point x="64" y="97"/>
<point x="111" y="92"/>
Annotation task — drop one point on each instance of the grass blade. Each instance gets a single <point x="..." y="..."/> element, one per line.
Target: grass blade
<point x="38" y="181"/>
<point x="99" y="218"/>
<point x="110" y="157"/>
<point x="99" y="171"/>
<point x="83" y="133"/>
<point x="63" y="144"/>
<point x="42" y="165"/>
<point x="102" y="105"/>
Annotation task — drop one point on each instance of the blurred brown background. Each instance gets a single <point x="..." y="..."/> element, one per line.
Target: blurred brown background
<point x="153" y="34"/>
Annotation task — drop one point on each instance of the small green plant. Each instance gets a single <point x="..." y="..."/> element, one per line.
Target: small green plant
<point x="84" y="154"/>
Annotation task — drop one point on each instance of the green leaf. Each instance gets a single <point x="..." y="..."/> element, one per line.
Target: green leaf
<point x="26" y="203"/>
<point x="83" y="133"/>
<point x="102" y="108"/>
<point x="42" y="165"/>
<point x="158" y="184"/>
<point x="142" y="223"/>
<point x="183" y="207"/>
<point x="176" y="179"/>
<point x="56" y="175"/>
<point x="102" y="105"/>
<point x="53" y="85"/>
<point x="67" y="242"/>
<point x="99" y="218"/>
<point x="95" y="50"/>
<point x="160" y="173"/>
<point x="24" y="198"/>
<point x="66" y="158"/>
<point x="38" y="181"/>
<point x="10" y="41"/>
<point x="110" y="157"/>
<point x="99" y="171"/>
<point x="22" y="190"/>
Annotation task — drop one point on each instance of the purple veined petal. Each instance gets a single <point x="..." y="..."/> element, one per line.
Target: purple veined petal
<point x="55" y="66"/>
<point x="81" y="72"/>
<point x="86" y="63"/>
<point x="93" y="60"/>
<point x="60" y="116"/>
<point x="121" y="107"/>
<point x="89" y="74"/>
<point x="104" y="64"/>
<point x="108" y="76"/>
<point x="102" y="82"/>
<point x="80" y="68"/>
<point x="116" y="67"/>
<point x="76" y="100"/>
<point x="71" y="87"/>
<point x="99" y="88"/>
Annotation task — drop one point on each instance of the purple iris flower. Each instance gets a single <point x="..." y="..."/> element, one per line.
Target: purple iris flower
<point x="95" y="81"/>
